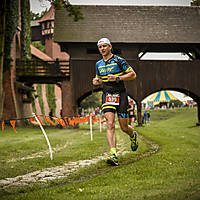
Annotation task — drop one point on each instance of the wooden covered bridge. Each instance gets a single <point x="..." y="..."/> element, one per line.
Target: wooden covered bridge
<point x="133" y="31"/>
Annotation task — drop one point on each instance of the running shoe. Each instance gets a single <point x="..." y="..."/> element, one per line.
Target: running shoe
<point x="112" y="160"/>
<point x="134" y="142"/>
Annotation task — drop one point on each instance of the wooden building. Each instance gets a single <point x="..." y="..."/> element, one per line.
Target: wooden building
<point x="133" y="31"/>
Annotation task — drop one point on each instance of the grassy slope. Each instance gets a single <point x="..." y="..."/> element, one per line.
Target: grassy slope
<point x="171" y="173"/>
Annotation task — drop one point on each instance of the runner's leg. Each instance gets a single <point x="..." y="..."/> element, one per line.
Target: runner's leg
<point x="123" y="122"/>
<point x="111" y="137"/>
<point x="130" y="131"/>
<point x="110" y="121"/>
<point x="133" y="122"/>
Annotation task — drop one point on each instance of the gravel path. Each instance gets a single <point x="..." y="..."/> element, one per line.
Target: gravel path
<point x="66" y="169"/>
<point x="53" y="172"/>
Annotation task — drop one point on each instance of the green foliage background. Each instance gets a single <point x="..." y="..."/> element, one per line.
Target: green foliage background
<point x="51" y="98"/>
<point x="38" y="45"/>
<point x="195" y="3"/>
<point x="11" y="26"/>
<point x="92" y="101"/>
<point x="41" y="102"/>
<point x="50" y="88"/>
<point x="26" y="27"/>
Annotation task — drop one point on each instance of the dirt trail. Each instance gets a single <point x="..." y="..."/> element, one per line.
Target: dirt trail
<point x="66" y="169"/>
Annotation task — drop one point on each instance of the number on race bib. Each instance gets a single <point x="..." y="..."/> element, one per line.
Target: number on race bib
<point x="112" y="99"/>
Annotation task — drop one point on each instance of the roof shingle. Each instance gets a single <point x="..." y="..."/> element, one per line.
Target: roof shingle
<point x="130" y="24"/>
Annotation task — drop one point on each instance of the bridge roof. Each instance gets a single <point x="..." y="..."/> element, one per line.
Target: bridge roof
<point x="131" y="24"/>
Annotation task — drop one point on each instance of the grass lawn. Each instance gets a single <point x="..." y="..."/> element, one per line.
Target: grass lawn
<point x="165" y="167"/>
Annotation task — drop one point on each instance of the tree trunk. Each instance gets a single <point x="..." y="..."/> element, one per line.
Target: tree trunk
<point x="139" y="113"/>
<point x="2" y="40"/>
<point x="198" y="112"/>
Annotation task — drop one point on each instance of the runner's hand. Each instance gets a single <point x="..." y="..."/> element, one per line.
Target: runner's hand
<point x="111" y="77"/>
<point x="96" y="81"/>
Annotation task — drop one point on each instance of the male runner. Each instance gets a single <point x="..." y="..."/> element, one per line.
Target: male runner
<point x="111" y="71"/>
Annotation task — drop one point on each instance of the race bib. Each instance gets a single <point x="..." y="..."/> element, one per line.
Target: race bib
<point x="131" y="112"/>
<point x="112" y="99"/>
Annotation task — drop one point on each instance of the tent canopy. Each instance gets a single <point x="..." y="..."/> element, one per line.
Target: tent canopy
<point x="162" y="96"/>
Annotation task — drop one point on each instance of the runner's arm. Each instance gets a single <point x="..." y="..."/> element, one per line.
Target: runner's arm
<point x="130" y="75"/>
<point x="97" y="81"/>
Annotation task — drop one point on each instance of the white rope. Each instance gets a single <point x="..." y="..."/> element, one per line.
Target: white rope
<point x="45" y="135"/>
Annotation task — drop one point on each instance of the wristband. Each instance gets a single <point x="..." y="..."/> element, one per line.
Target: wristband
<point x="117" y="79"/>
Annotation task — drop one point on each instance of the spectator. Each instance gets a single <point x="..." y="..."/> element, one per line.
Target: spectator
<point x="51" y="114"/>
<point x="148" y="117"/>
<point x="132" y="115"/>
<point x="145" y="117"/>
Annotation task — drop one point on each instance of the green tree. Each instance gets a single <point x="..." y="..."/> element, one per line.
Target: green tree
<point x="8" y="26"/>
<point x="37" y="16"/>
<point x="51" y="99"/>
<point x="92" y="101"/>
<point x="34" y="16"/>
<point x="38" y="45"/>
<point x="195" y="3"/>
<point x="26" y="27"/>
<point x="2" y="40"/>
<point x="73" y="10"/>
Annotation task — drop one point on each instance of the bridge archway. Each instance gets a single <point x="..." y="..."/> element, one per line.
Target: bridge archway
<point x="87" y="95"/>
<point x="182" y="76"/>
<point x="79" y="40"/>
<point x="183" y="91"/>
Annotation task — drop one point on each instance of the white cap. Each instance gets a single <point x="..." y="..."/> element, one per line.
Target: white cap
<point x="103" y="41"/>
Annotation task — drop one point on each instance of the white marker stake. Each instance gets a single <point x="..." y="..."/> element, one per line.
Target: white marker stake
<point x="100" y="125"/>
<point x="45" y="135"/>
<point x="91" y="128"/>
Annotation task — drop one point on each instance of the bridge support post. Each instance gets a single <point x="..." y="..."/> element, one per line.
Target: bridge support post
<point x="139" y="113"/>
<point x="69" y="106"/>
<point x="198" y="112"/>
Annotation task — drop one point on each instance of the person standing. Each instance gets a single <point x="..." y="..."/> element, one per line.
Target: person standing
<point x="112" y="71"/>
<point x="51" y="114"/>
<point x="132" y="116"/>
<point x="148" y="117"/>
<point x="145" y="116"/>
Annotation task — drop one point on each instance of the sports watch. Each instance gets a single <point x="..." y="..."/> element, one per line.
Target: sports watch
<point x="117" y="79"/>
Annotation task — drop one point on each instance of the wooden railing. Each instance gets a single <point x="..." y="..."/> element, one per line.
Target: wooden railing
<point x="34" y="71"/>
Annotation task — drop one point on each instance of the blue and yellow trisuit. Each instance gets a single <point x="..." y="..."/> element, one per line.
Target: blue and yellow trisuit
<point x="116" y="66"/>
